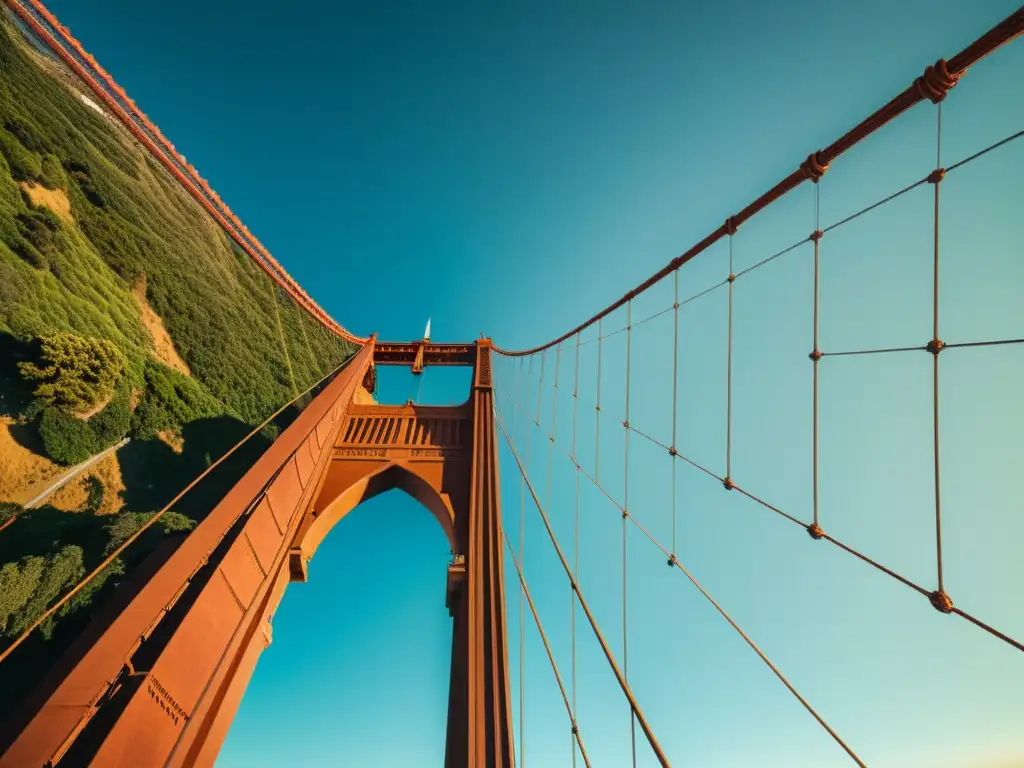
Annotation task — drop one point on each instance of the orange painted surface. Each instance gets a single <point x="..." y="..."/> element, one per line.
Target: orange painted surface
<point x="204" y="614"/>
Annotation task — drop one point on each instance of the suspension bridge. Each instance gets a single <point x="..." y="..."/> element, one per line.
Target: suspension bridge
<point x="160" y="682"/>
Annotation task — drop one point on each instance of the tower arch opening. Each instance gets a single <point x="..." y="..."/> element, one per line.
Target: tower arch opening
<point x="363" y="645"/>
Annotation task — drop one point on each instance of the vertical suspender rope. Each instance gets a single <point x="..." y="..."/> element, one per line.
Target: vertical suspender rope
<point x="554" y="417"/>
<point x="815" y="529"/>
<point x="674" y="450"/>
<point x="939" y="599"/>
<point x="575" y="397"/>
<point x="554" y="395"/>
<point x="728" y="382"/>
<point x="540" y="385"/>
<point x="597" y="406"/>
<point x="576" y="543"/>
<point x="609" y="656"/>
<point x="625" y="514"/>
<point x="577" y="738"/>
<point x="522" y="598"/>
<point x="6" y="652"/>
<point x="551" y="437"/>
<point x="305" y="337"/>
<point x="519" y="384"/>
<point x="284" y="344"/>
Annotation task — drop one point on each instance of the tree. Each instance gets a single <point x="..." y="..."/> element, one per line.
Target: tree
<point x="17" y="583"/>
<point x="62" y="571"/>
<point x="52" y="174"/>
<point x="25" y="165"/>
<point x="127" y="524"/>
<point x="76" y="373"/>
<point x="8" y="510"/>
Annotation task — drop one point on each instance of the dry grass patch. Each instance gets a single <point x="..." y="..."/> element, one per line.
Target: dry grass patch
<point x="54" y="199"/>
<point x="73" y="495"/>
<point x="163" y="345"/>
<point x="108" y="472"/>
<point x="23" y="474"/>
<point x="70" y="497"/>
<point x="172" y="440"/>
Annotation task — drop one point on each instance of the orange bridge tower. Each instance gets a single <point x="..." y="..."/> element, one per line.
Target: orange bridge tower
<point x="158" y="683"/>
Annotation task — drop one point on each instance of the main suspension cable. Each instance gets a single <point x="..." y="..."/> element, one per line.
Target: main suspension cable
<point x="817" y="163"/>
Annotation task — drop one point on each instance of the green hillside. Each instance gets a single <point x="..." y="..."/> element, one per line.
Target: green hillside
<point x="125" y="311"/>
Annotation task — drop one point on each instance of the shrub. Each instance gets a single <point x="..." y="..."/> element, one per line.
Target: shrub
<point x="61" y="571"/>
<point x="8" y="510"/>
<point x="36" y="228"/>
<point x="114" y="421"/>
<point x="17" y="583"/>
<point x="52" y="174"/>
<point x="25" y="165"/>
<point x="25" y="323"/>
<point x="127" y="524"/>
<point x="27" y="134"/>
<point x="76" y="373"/>
<point x="70" y="440"/>
<point x="27" y="252"/>
<point x="66" y="440"/>
<point x="171" y="401"/>
<point x="85" y="596"/>
<point x="95" y="494"/>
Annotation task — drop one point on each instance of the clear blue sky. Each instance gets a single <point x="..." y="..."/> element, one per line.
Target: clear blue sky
<point x="510" y="167"/>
